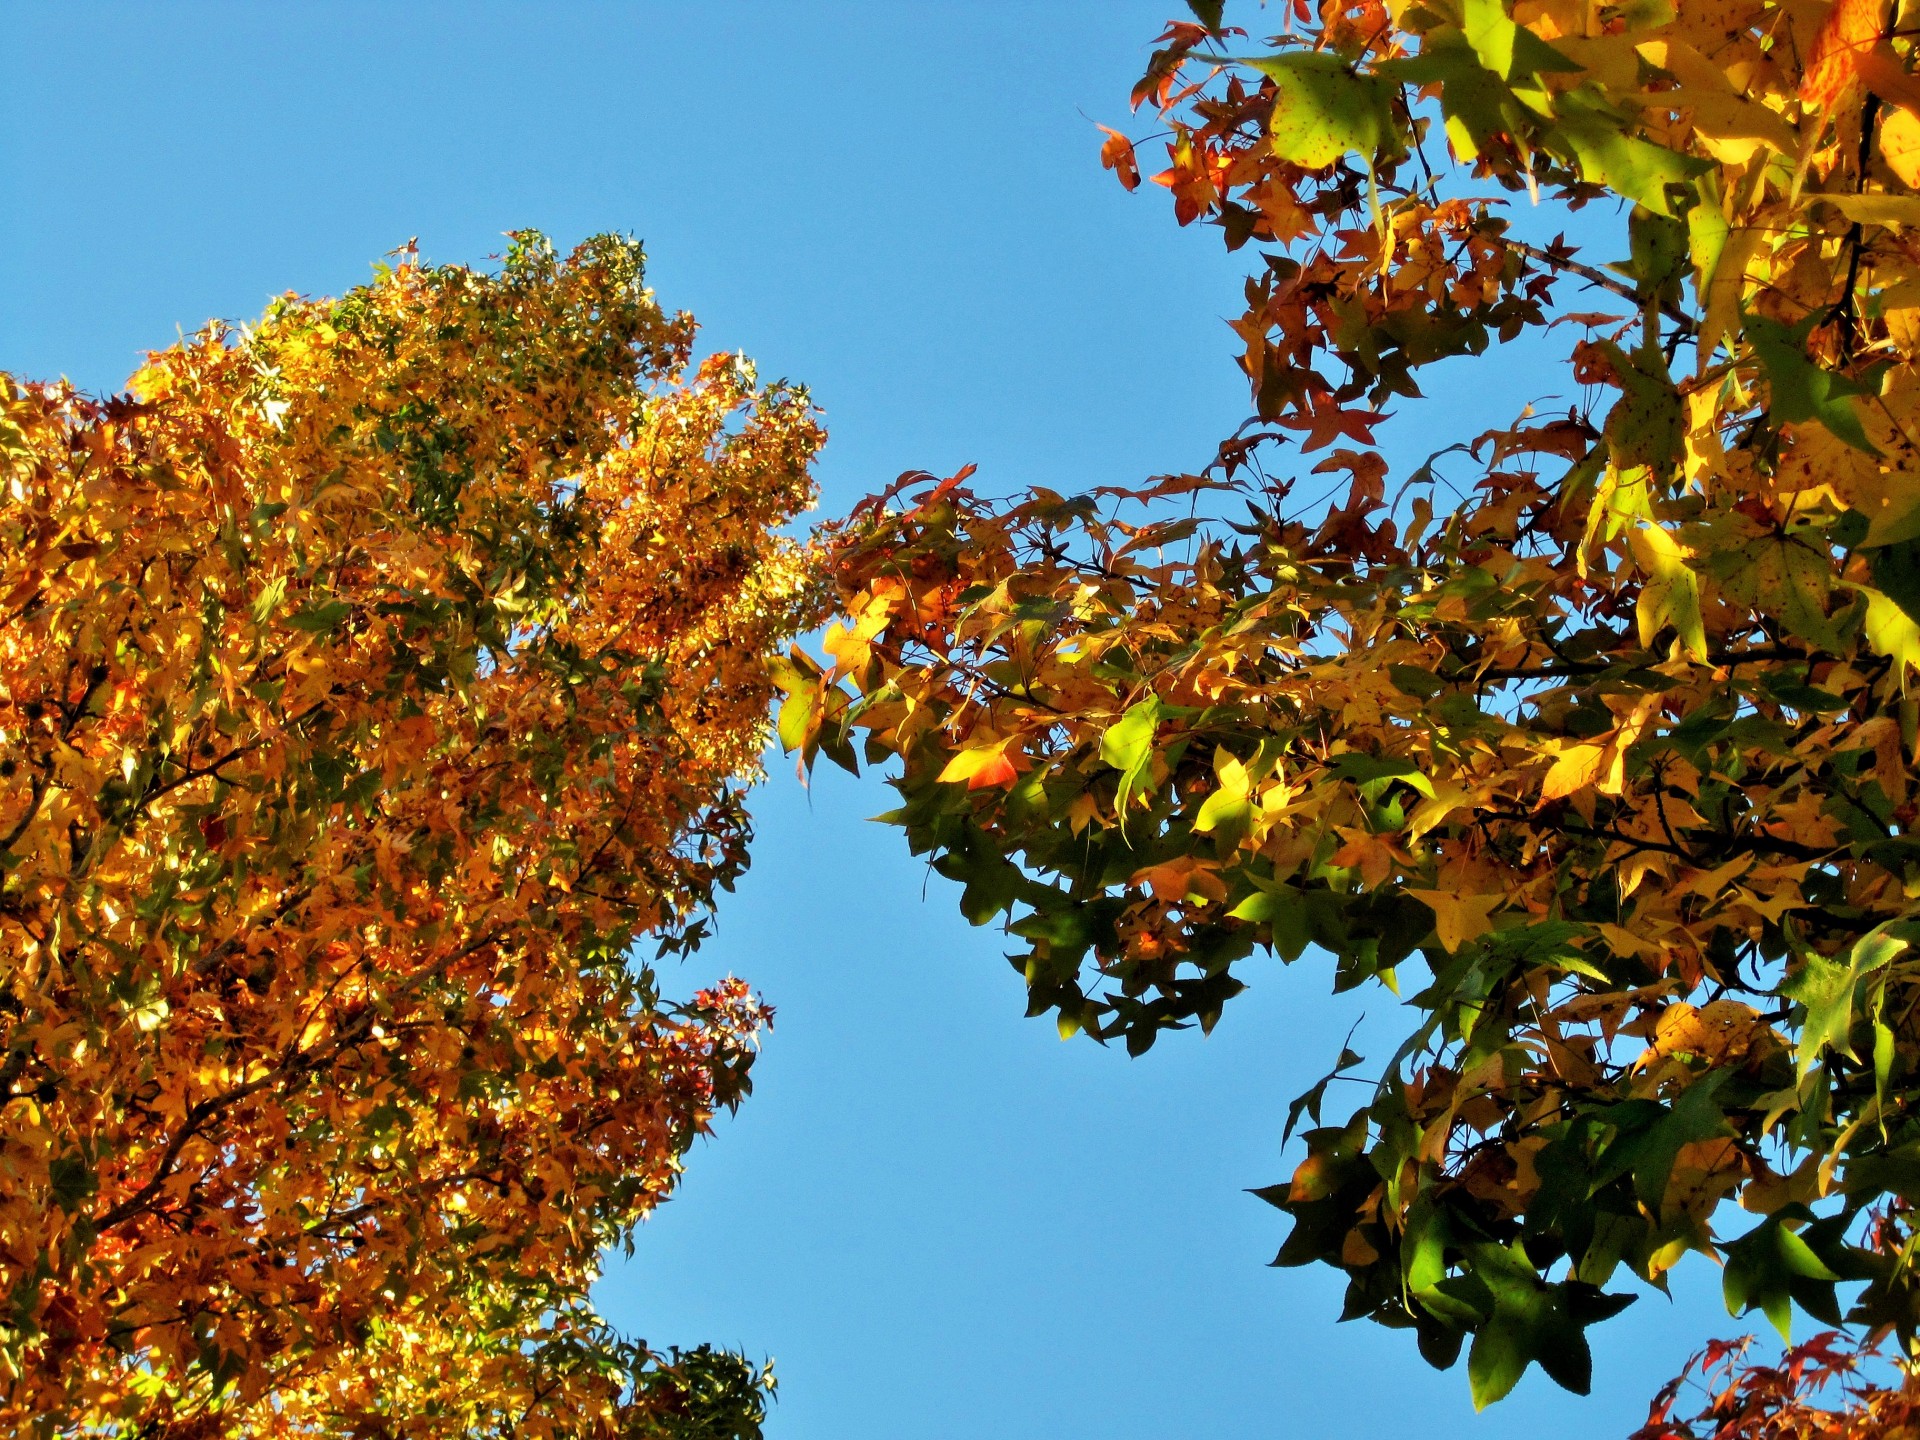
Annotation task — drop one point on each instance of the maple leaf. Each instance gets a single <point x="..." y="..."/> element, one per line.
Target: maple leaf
<point x="1848" y="34"/>
<point x="1326" y="422"/>
<point x="1116" y="154"/>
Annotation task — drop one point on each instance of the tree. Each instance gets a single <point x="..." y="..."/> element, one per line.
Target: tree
<point x="1594" y="735"/>
<point x="371" y="680"/>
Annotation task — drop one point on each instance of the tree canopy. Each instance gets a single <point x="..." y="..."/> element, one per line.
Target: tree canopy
<point x="371" y="680"/>
<point x="1593" y="736"/>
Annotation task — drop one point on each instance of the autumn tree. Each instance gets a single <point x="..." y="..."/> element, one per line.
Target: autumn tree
<point x="1593" y="736"/>
<point x="372" y="679"/>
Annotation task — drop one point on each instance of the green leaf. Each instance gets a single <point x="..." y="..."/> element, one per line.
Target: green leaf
<point x="796" y="717"/>
<point x="1499" y="1357"/>
<point x="1786" y="576"/>
<point x="1660" y="247"/>
<point x="320" y="619"/>
<point x="1825" y="988"/>
<point x="1227" y="812"/>
<point x="1647" y="426"/>
<point x="1670" y="595"/>
<point x="1896" y="571"/>
<point x="1375" y="774"/>
<point x="1770" y="1267"/>
<point x="1651" y="1136"/>
<point x="1491" y="32"/>
<point x="1412" y="680"/>
<point x="1477" y="104"/>
<point x="1127" y="746"/>
<point x="1322" y="109"/>
<point x="1309" y="1101"/>
<point x="1596" y="138"/>
<point x="268" y="600"/>
<point x="1284" y="909"/>
<point x="1882" y="1065"/>
<point x="1802" y="391"/>
<point x="1531" y="1321"/>
<point x="1208" y="13"/>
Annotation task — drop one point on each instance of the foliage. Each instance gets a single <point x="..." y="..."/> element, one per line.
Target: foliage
<point x="1594" y="735"/>
<point x="1778" y="1402"/>
<point x="370" y="679"/>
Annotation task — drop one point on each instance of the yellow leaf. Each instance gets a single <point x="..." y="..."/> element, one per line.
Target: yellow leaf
<point x="1888" y="210"/>
<point x="1892" y="632"/>
<point x="1459" y="918"/>
<point x="1900" y="145"/>
<point x="1734" y="127"/>
<point x="1447" y="798"/>
<point x="1671" y="592"/>
<point x="1725" y="288"/>
<point x="1576" y="769"/>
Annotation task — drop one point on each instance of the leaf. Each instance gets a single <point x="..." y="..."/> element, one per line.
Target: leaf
<point x="1127" y="746"/>
<point x="797" y="712"/>
<point x="269" y="599"/>
<point x="1671" y="593"/>
<point x="1892" y="631"/>
<point x="1499" y="1357"/>
<point x="1116" y="154"/>
<point x="1531" y="1321"/>
<point x="1891" y="211"/>
<point x="1644" y="172"/>
<point x="1647" y="1147"/>
<point x="1491" y="32"/>
<point x="998" y="772"/>
<point x="1801" y="390"/>
<point x="1575" y="769"/>
<point x="1309" y="1101"/>
<point x="1786" y="576"/>
<point x="1899" y="141"/>
<point x="1374" y="775"/>
<point x="321" y="619"/>
<point x="1849" y="33"/>
<point x="1896" y="570"/>
<point x="1827" y="988"/>
<point x="1322" y="109"/>
<point x="1227" y="812"/>
<point x="1770" y="1267"/>
<point x="981" y="767"/>
<point x="1647" y="425"/>
<point x="1459" y="918"/>
<point x="1434" y="810"/>
<point x="1726" y="287"/>
<point x="1208" y="13"/>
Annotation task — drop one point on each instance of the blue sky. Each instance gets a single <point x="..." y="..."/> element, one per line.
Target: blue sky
<point x="940" y="1220"/>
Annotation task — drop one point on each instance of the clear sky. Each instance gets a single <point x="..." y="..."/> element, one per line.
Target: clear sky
<point x="938" y="1218"/>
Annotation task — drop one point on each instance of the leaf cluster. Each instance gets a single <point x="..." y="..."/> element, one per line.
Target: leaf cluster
<point x="372" y="679"/>
<point x="1594" y="737"/>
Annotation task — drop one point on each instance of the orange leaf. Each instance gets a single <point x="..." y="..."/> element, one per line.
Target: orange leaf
<point x="1881" y="71"/>
<point x="997" y="771"/>
<point x="1851" y="30"/>
<point x="1116" y="154"/>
